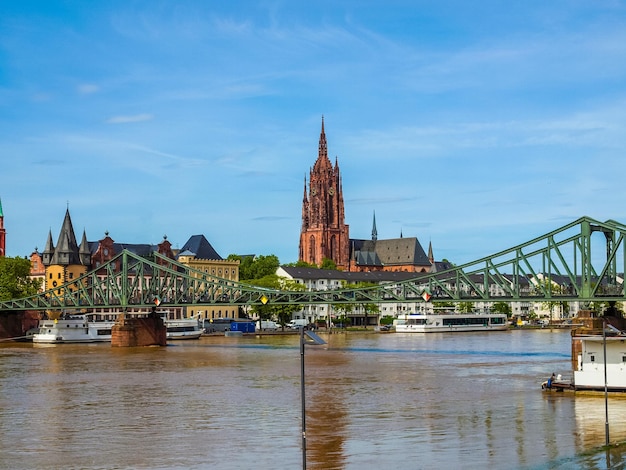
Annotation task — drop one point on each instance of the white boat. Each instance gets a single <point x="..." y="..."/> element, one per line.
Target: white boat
<point x="589" y="372"/>
<point x="184" y="328"/>
<point x="441" y="323"/>
<point x="73" y="329"/>
<point x="592" y="350"/>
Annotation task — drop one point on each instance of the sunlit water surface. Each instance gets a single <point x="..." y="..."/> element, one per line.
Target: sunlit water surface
<point x="374" y="401"/>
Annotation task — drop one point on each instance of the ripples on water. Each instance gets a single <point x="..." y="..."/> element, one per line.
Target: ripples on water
<point x="374" y="401"/>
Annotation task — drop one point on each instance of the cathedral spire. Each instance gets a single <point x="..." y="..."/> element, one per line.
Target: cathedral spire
<point x="323" y="148"/>
<point x="374" y="231"/>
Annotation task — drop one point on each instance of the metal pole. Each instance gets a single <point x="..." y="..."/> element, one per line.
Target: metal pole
<point x="606" y="386"/>
<point x="303" y="398"/>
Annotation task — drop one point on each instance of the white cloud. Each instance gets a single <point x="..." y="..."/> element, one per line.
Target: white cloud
<point x="88" y="88"/>
<point x="131" y="118"/>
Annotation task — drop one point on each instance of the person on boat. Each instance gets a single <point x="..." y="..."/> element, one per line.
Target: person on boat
<point x="550" y="381"/>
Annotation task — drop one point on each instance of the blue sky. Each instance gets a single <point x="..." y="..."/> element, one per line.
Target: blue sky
<point x="472" y="125"/>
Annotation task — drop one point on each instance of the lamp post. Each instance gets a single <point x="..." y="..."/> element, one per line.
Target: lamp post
<point x="606" y="385"/>
<point x="311" y="338"/>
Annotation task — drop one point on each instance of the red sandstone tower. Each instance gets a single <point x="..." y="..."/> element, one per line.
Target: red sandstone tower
<point x="324" y="233"/>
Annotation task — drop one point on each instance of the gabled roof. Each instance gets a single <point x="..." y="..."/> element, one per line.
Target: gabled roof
<point x="201" y="247"/>
<point x="394" y="251"/>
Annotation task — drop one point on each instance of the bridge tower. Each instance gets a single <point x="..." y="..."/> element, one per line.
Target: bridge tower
<point x="324" y="233"/>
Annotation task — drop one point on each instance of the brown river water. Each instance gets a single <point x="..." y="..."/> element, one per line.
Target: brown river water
<point x="373" y="401"/>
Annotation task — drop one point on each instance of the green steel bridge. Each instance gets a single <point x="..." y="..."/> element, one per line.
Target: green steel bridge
<point x="582" y="261"/>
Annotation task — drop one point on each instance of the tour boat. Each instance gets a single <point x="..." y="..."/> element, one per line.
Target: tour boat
<point x="441" y="323"/>
<point x="184" y="328"/>
<point x="73" y="329"/>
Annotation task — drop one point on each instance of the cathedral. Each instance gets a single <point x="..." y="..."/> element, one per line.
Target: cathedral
<point x="325" y="234"/>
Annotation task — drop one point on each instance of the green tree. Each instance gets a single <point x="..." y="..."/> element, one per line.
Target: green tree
<point x="328" y="263"/>
<point x="501" y="307"/>
<point x="15" y="282"/>
<point x="255" y="267"/>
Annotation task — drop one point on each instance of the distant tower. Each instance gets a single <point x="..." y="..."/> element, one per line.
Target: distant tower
<point x="324" y="233"/>
<point x="3" y="233"/>
<point x="374" y="231"/>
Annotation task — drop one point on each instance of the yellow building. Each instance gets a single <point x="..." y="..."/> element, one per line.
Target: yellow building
<point x="67" y="261"/>
<point x="199" y="255"/>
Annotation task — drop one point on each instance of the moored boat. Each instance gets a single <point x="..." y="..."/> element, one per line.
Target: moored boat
<point x="441" y="323"/>
<point x="184" y="328"/>
<point x="598" y="344"/>
<point x="73" y="329"/>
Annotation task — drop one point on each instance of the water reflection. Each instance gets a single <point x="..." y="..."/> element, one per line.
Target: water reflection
<point x="373" y="401"/>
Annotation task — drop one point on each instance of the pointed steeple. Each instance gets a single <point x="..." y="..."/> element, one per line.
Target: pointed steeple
<point x="48" y="251"/>
<point x="84" y="252"/>
<point x="1" y="213"/>
<point x="431" y="257"/>
<point x="66" y="252"/>
<point x="323" y="147"/>
<point x="374" y="231"/>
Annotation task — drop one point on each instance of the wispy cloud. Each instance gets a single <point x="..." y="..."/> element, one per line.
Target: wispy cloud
<point x="88" y="88"/>
<point x="131" y="118"/>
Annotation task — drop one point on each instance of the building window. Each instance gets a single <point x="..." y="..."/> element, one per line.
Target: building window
<point x="592" y="358"/>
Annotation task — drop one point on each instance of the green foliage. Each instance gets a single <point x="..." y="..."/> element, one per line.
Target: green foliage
<point x="501" y="307"/>
<point x="386" y="320"/>
<point x="328" y="263"/>
<point x="301" y="264"/>
<point x="255" y="267"/>
<point x="15" y="282"/>
<point x="465" y="307"/>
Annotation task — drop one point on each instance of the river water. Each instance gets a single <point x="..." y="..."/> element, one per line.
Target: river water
<point x="374" y="401"/>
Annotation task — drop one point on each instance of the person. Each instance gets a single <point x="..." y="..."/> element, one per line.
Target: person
<point x="550" y="380"/>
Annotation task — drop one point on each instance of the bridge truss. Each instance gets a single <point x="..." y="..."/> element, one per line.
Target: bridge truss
<point x="581" y="261"/>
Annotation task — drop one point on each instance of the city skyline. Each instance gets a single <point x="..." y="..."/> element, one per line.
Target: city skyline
<point x="474" y="127"/>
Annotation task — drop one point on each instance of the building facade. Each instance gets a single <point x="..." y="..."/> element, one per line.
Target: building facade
<point x="68" y="260"/>
<point x="324" y="233"/>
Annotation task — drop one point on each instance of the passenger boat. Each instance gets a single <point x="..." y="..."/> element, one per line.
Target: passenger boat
<point x="73" y="329"/>
<point x="441" y="323"/>
<point x="185" y="328"/>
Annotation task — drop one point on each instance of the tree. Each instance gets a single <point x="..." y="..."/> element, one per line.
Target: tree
<point x="501" y="307"/>
<point x="465" y="307"/>
<point x="328" y="263"/>
<point x="15" y="282"/>
<point x="255" y="267"/>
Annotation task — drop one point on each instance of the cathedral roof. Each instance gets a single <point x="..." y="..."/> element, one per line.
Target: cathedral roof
<point x="394" y="251"/>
